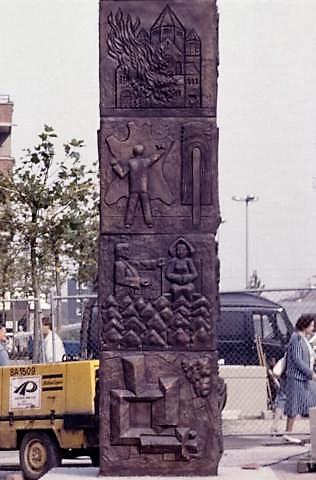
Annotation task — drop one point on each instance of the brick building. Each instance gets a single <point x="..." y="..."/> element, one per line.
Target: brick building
<point x="6" y="110"/>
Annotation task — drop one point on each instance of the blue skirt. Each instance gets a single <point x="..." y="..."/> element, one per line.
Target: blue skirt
<point x="300" y="397"/>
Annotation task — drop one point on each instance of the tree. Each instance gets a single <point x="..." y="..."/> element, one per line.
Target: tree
<point x="46" y="196"/>
<point x="7" y="249"/>
<point x="82" y="247"/>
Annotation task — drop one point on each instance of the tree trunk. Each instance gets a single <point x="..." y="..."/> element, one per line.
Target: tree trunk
<point x="58" y="291"/>
<point x="37" y="331"/>
<point x="37" y="351"/>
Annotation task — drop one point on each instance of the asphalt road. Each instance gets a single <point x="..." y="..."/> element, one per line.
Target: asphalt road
<point x="10" y="465"/>
<point x="9" y="460"/>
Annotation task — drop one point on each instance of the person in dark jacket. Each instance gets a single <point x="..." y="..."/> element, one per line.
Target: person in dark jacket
<point x="300" y="383"/>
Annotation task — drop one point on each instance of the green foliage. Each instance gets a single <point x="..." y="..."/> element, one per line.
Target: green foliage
<point x="52" y="222"/>
<point x="7" y="247"/>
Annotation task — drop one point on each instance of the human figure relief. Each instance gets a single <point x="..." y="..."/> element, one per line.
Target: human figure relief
<point x="139" y="187"/>
<point x="181" y="271"/>
<point x="126" y="270"/>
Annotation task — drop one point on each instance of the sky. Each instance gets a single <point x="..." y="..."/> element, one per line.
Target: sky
<point x="266" y="117"/>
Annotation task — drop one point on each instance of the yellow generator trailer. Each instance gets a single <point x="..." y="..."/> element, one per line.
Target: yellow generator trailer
<point x="49" y="412"/>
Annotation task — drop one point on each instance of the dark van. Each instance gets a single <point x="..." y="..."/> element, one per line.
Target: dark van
<point x="245" y="316"/>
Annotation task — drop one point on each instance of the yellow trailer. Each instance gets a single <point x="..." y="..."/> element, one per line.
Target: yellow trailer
<point x="49" y="412"/>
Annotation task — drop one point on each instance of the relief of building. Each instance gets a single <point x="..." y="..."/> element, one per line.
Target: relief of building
<point x="172" y="62"/>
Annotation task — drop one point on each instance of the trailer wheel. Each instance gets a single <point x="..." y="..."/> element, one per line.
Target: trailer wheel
<point x="39" y="453"/>
<point x="95" y="457"/>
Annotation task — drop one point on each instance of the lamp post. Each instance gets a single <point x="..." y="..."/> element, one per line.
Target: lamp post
<point x="247" y="199"/>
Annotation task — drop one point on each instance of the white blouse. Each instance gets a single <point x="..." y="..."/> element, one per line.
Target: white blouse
<point x="311" y="353"/>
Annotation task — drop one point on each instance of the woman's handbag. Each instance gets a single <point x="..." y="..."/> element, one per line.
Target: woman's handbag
<point x="280" y="366"/>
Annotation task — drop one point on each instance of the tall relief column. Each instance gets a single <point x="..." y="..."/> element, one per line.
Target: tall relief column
<point x="160" y="394"/>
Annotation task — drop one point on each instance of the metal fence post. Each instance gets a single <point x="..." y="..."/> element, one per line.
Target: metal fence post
<point x="53" y="325"/>
<point x="15" y="327"/>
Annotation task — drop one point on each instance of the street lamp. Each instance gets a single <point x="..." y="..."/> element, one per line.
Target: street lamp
<point x="247" y="199"/>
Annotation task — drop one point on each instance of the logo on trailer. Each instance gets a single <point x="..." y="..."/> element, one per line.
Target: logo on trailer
<point x="26" y="387"/>
<point x="25" y="392"/>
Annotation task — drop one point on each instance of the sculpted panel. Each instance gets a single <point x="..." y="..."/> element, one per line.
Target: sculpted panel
<point x="158" y="67"/>
<point x="139" y="176"/>
<point x="163" y="412"/>
<point x="159" y="176"/>
<point x="159" y="301"/>
<point x="162" y="57"/>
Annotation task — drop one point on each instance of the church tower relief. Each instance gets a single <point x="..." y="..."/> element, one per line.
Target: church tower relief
<point x="178" y="49"/>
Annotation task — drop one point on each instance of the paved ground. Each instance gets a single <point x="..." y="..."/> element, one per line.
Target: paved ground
<point x="260" y="426"/>
<point x="9" y="465"/>
<point x="267" y="454"/>
<point x="270" y="461"/>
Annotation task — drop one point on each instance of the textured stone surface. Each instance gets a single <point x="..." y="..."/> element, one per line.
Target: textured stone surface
<point x="158" y="274"/>
<point x="158" y="56"/>
<point x="161" y="407"/>
<point x="162" y="293"/>
<point x="180" y="198"/>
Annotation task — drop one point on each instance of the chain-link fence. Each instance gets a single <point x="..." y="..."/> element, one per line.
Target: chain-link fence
<point x="18" y="316"/>
<point x="75" y="318"/>
<point x="253" y="333"/>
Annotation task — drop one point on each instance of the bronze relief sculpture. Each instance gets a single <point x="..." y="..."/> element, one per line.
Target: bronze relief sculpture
<point x="161" y="396"/>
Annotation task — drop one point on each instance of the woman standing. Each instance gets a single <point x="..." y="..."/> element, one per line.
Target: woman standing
<point x="300" y="387"/>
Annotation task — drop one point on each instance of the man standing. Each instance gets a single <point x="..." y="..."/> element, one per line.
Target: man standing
<point x="4" y="357"/>
<point x="50" y="348"/>
<point x="138" y="167"/>
<point x="140" y="187"/>
<point x="126" y="276"/>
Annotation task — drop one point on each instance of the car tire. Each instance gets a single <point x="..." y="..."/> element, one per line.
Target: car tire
<point x="39" y="453"/>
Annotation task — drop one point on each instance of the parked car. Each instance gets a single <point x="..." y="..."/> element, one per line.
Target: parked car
<point x="71" y="345"/>
<point x="243" y="318"/>
<point x="72" y="349"/>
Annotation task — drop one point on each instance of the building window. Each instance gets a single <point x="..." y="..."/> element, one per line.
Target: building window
<point x="193" y="49"/>
<point x="126" y="99"/>
<point x="178" y="68"/>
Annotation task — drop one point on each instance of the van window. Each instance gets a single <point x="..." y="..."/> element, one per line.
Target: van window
<point x="282" y="326"/>
<point x="232" y="325"/>
<point x="256" y="317"/>
<point x="264" y="326"/>
<point x="267" y="328"/>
